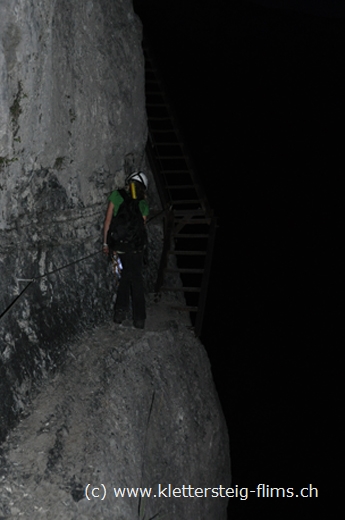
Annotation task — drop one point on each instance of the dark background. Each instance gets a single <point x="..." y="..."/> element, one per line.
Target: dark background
<point x="258" y="95"/>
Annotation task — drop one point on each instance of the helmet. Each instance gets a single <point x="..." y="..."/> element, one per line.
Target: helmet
<point x="138" y="177"/>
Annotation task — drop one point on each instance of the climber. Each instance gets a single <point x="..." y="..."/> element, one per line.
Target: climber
<point x="124" y="234"/>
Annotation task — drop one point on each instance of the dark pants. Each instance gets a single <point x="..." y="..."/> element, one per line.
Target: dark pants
<point x="131" y="283"/>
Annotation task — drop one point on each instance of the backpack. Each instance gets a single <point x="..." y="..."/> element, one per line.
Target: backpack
<point x="127" y="229"/>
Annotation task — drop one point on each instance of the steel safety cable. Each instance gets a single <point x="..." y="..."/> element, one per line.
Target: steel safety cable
<point x="35" y="278"/>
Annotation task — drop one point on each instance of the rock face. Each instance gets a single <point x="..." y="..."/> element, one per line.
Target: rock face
<point x="129" y="409"/>
<point x="72" y="120"/>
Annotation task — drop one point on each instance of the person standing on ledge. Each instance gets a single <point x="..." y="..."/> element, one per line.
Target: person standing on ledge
<point x="124" y="234"/>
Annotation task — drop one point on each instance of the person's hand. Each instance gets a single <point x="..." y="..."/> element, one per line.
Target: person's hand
<point x="105" y="249"/>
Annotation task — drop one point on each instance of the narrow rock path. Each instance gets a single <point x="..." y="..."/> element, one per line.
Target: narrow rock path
<point x="96" y="410"/>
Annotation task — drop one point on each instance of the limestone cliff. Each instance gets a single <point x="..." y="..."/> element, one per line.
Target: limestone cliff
<point x="134" y="408"/>
<point x="72" y="116"/>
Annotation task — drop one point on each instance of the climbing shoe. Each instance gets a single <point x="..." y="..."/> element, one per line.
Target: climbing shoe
<point x="120" y="316"/>
<point x="139" y="324"/>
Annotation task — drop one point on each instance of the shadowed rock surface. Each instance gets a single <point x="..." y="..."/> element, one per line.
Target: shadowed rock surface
<point x="129" y="409"/>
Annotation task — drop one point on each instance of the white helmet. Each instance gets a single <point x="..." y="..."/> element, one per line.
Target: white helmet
<point x="138" y="177"/>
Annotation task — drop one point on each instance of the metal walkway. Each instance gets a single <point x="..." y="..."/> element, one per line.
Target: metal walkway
<point x="189" y="224"/>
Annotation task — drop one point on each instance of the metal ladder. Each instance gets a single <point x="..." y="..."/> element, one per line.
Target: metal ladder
<point x="190" y="225"/>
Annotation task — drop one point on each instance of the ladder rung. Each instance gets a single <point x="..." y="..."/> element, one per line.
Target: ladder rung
<point x="184" y="270"/>
<point x="181" y="187"/>
<point x="161" y="131"/>
<point x="186" y="201"/>
<point x="165" y="118"/>
<point x="164" y="157"/>
<point x="186" y="309"/>
<point x="187" y="253"/>
<point x="188" y="212"/>
<point x="157" y="105"/>
<point x="181" y="289"/>
<point x="157" y="143"/>
<point x="174" y="171"/>
<point x="192" y="235"/>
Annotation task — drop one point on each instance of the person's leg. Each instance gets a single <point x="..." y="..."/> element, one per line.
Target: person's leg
<point x="137" y="285"/>
<point x="122" y="297"/>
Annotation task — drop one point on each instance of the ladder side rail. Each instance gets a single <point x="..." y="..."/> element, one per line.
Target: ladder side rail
<point x="206" y="278"/>
<point x="156" y="174"/>
<point x="168" y="226"/>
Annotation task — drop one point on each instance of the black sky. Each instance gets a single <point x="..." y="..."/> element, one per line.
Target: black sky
<point x="258" y="93"/>
<point x="325" y="8"/>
